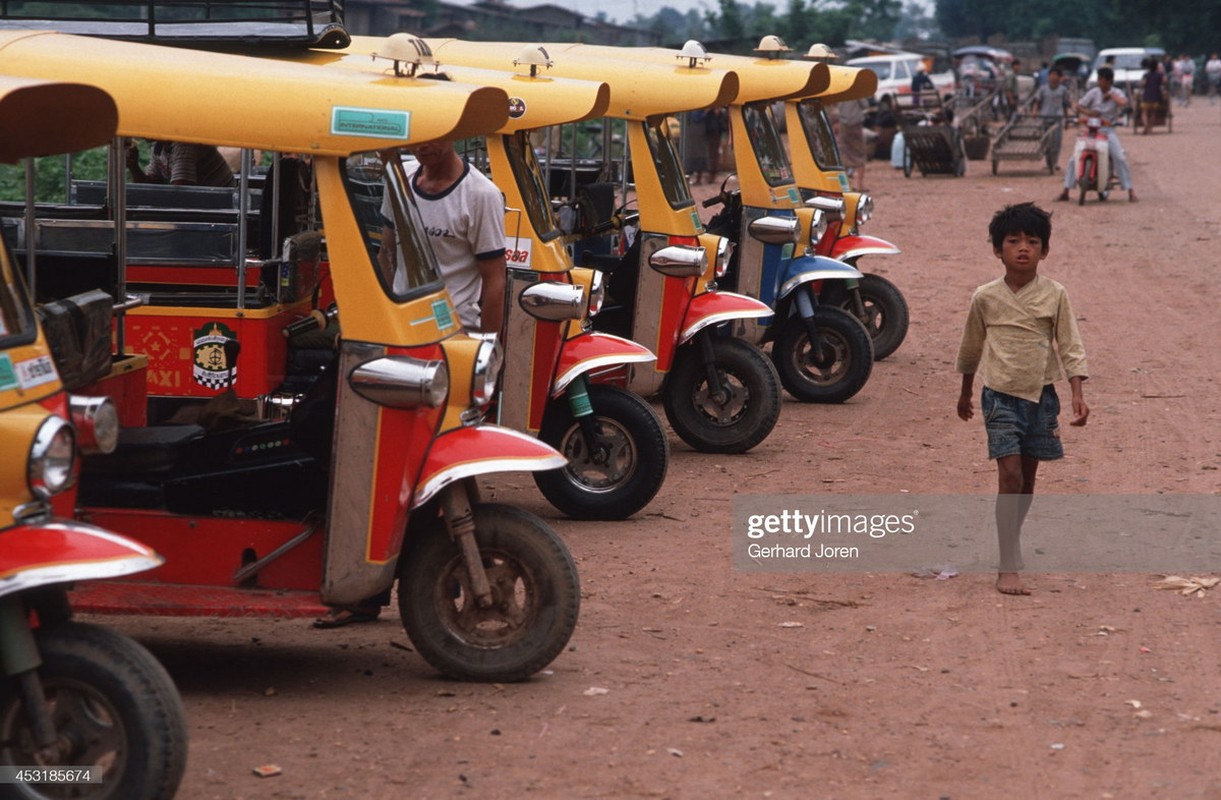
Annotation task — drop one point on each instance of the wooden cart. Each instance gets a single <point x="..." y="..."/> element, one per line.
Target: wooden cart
<point x="1026" y="139"/>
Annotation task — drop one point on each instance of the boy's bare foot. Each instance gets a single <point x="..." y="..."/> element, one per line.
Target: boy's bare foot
<point x="1010" y="583"/>
<point x="1062" y="197"/>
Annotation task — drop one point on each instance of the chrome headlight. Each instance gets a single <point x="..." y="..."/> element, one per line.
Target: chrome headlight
<point x="488" y="360"/>
<point x="724" y="252"/>
<point x="402" y="382"/>
<point x="818" y="227"/>
<point x="775" y="230"/>
<point x="96" y="422"/>
<point x="51" y="456"/>
<point x="597" y="292"/>
<point x="553" y="300"/>
<point x="864" y="209"/>
<point x="832" y="207"/>
<point x="679" y="261"/>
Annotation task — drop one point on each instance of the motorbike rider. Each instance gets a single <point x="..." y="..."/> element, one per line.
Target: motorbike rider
<point x="1105" y="102"/>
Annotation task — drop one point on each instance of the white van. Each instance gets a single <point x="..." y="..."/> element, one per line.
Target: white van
<point x="1127" y="66"/>
<point x="895" y="73"/>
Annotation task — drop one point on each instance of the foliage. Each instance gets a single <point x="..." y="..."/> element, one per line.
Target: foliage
<point x="1177" y="25"/>
<point x="50" y="175"/>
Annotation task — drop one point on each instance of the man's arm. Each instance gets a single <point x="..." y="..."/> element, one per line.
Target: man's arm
<point x="492" y="293"/>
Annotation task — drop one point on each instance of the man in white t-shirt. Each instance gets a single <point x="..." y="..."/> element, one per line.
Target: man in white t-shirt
<point x="463" y="215"/>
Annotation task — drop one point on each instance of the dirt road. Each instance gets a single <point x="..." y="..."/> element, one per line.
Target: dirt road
<point x="724" y="683"/>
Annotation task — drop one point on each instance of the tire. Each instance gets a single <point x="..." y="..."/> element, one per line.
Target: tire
<point x="620" y="481"/>
<point x="736" y="425"/>
<point x="907" y="162"/>
<point x="851" y="352"/>
<point x="886" y="313"/>
<point x="518" y="635"/>
<point x="1081" y="196"/>
<point x="995" y="166"/>
<point x="114" y="702"/>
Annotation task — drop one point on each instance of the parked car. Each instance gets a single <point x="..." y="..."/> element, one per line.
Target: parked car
<point x="895" y="73"/>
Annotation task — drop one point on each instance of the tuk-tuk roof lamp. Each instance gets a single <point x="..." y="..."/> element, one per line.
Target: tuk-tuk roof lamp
<point x="403" y="48"/>
<point x="772" y="46"/>
<point x="695" y="53"/>
<point x="534" y="56"/>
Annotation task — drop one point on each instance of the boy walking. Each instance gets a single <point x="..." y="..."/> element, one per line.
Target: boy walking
<point x="1015" y="328"/>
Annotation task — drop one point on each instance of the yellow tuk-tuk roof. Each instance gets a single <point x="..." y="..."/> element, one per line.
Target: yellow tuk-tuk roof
<point x="849" y="83"/>
<point x="534" y="102"/>
<point x="638" y="89"/>
<point x="224" y="99"/>
<point x="34" y="117"/>
<point x="758" y="78"/>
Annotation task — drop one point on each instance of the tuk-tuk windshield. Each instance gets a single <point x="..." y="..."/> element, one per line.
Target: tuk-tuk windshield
<point x="16" y="316"/>
<point x="531" y="185"/>
<point x="667" y="163"/>
<point x="817" y="127"/>
<point x="765" y="141"/>
<point x="381" y="198"/>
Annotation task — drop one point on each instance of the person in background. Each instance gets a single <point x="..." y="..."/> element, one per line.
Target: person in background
<point x="1050" y="102"/>
<point x="181" y="164"/>
<point x="1105" y="102"/>
<point x="1152" y="92"/>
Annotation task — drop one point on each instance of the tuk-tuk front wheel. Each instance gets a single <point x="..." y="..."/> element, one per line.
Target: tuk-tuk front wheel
<point x="732" y="416"/>
<point x="624" y="468"/>
<point x="114" y="708"/>
<point x="837" y="369"/>
<point x="535" y="597"/>
<point x="885" y="314"/>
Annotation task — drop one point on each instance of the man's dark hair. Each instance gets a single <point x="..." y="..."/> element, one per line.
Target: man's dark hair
<point x="1056" y="70"/>
<point x="1106" y="72"/>
<point x="1020" y="218"/>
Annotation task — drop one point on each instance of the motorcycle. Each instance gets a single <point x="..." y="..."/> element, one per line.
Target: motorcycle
<point x="84" y="710"/>
<point x="720" y="394"/>
<point x="369" y="477"/>
<point x="1091" y="163"/>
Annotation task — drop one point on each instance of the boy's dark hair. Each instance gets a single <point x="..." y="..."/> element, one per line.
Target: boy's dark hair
<point x="1056" y="70"/>
<point x="1106" y="72"/>
<point x="1020" y="218"/>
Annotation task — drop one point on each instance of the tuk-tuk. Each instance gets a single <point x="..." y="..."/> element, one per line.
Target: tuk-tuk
<point x="822" y="354"/>
<point x="719" y="392"/>
<point x="616" y="448"/>
<point x="875" y="301"/>
<point x="371" y="476"/>
<point x="84" y="710"/>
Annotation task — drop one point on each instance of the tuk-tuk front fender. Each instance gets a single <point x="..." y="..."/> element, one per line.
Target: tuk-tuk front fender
<point x="56" y="551"/>
<point x="804" y="269"/>
<point x="478" y="450"/>
<point x="590" y="350"/>
<point x="713" y="308"/>
<point x="849" y="247"/>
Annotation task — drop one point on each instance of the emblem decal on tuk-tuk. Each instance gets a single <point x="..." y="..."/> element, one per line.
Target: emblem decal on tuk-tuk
<point x="441" y="312"/>
<point x="843" y="182"/>
<point x="517" y="108"/>
<point x="695" y="221"/>
<point x="36" y="371"/>
<point x="211" y="367"/>
<point x="377" y="123"/>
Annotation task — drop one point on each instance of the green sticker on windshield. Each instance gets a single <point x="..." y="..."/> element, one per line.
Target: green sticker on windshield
<point x="695" y="220"/>
<point x="376" y="123"/>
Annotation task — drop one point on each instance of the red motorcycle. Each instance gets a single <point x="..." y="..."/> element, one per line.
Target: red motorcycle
<point x="1092" y="160"/>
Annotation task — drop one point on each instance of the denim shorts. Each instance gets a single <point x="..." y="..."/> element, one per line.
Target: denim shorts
<point x="1020" y="427"/>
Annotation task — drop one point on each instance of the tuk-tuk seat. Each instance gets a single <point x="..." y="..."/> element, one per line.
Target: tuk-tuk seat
<point x="149" y="450"/>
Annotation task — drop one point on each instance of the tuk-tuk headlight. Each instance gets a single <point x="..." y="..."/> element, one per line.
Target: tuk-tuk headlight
<point x="864" y="209"/>
<point x="597" y="292"/>
<point x="832" y="207"/>
<point x="96" y="422"/>
<point x="724" y="251"/>
<point x="679" y="261"/>
<point x="488" y="360"/>
<point x="818" y="227"/>
<point x="775" y="230"/>
<point x="51" y="456"/>
<point x="402" y="382"/>
<point x="553" y="300"/>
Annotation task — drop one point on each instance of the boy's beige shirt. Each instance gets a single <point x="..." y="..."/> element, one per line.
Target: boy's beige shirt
<point x="1008" y="337"/>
